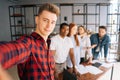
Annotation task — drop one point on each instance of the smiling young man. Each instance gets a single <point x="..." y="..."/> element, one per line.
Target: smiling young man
<point x="62" y="47"/>
<point x="98" y="41"/>
<point x="31" y="53"/>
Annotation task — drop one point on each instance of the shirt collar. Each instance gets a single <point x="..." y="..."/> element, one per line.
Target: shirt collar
<point x="61" y="37"/>
<point x="37" y="36"/>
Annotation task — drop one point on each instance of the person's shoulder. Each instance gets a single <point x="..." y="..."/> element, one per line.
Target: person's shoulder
<point x="78" y="35"/>
<point x="25" y="37"/>
<point x="86" y="36"/>
<point x="94" y="35"/>
<point x="55" y="37"/>
<point x="71" y="37"/>
<point x="68" y="38"/>
<point x="107" y="36"/>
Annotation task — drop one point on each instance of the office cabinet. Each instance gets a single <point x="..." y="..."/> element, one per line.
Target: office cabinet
<point x="22" y="20"/>
<point x="87" y="15"/>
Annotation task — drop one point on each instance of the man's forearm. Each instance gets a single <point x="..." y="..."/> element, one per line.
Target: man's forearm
<point x="106" y="50"/>
<point x="72" y="57"/>
<point x="73" y="61"/>
<point x="11" y="54"/>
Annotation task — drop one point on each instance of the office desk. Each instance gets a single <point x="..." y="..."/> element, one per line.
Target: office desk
<point x="116" y="71"/>
<point x="105" y="75"/>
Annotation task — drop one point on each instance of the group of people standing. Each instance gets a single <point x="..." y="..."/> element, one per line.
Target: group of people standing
<point x="39" y="58"/>
<point x="69" y="48"/>
<point x="72" y="46"/>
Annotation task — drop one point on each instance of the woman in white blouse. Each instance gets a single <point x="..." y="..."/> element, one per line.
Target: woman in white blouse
<point x="76" y="44"/>
<point x="85" y="46"/>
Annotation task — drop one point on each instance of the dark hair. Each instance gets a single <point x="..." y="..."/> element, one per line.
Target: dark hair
<point x="49" y="7"/>
<point x="62" y="25"/>
<point x="103" y="27"/>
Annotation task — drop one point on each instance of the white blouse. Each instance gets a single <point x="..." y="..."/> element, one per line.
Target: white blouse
<point x="85" y="42"/>
<point x="76" y="53"/>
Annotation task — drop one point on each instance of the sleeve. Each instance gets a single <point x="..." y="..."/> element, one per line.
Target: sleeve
<point x="93" y="39"/>
<point x="108" y="40"/>
<point x="14" y="52"/>
<point x="53" y="44"/>
<point x="106" y="46"/>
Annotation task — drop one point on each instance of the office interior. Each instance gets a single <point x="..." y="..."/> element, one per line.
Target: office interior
<point x="93" y="14"/>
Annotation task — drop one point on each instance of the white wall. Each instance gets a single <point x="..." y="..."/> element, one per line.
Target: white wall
<point x="5" y="30"/>
<point x="4" y="21"/>
<point x="64" y="13"/>
<point x="13" y="73"/>
<point x="62" y="1"/>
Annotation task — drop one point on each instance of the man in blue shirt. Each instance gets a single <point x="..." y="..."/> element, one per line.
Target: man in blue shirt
<point x="99" y="40"/>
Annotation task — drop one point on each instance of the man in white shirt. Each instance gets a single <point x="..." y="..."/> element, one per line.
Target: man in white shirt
<point x="62" y="46"/>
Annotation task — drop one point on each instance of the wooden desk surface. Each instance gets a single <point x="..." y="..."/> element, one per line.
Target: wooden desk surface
<point x="105" y="75"/>
<point x="89" y="76"/>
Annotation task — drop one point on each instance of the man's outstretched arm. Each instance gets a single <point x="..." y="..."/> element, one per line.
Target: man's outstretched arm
<point x="14" y="52"/>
